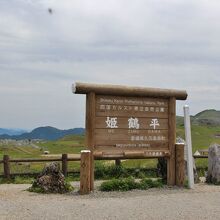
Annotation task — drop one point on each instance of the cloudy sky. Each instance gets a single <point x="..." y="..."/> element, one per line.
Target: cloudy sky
<point x="152" y="43"/>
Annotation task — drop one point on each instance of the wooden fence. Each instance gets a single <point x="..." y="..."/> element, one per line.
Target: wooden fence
<point x="64" y="160"/>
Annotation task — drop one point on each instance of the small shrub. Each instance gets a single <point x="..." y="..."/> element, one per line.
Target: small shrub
<point x="201" y="171"/>
<point x="149" y="183"/>
<point x="103" y="171"/>
<point x="100" y="170"/>
<point x="119" y="185"/>
<point x="127" y="184"/>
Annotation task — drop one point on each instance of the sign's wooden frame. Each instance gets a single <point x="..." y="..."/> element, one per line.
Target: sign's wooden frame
<point x="91" y="90"/>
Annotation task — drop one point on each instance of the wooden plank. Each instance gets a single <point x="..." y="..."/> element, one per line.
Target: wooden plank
<point x="130" y="101"/>
<point x="140" y="114"/>
<point x="101" y="89"/>
<point x="180" y="165"/>
<point x="122" y="145"/>
<point x="122" y="123"/>
<point x="101" y="131"/>
<point x="172" y="141"/>
<point x="123" y="139"/>
<point x="85" y="169"/>
<point x="90" y="128"/>
<point x="40" y="160"/>
<point x="100" y="155"/>
<point x="200" y="156"/>
<point x="127" y="133"/>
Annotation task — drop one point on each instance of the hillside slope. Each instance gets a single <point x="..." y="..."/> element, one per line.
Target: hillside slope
<point x="205" y="118"/>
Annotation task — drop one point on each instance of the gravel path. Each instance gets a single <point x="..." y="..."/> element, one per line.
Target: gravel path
<point x="201" y="203"/>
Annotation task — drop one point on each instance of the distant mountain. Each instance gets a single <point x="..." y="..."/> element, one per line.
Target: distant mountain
<point x="209" y="117"/>
<point x="45" y="133"/>
<point x="12" y="131"/>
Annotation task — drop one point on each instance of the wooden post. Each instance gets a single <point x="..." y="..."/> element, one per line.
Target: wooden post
<point x="64" y="164"/>
<point x="90" y="129"/>
<point x="172" y="141"/>
<point x="6" y="162"/>
<point x="117" y="162"/>
<point x="85" y="172"/>
<point x="180" y="165"/>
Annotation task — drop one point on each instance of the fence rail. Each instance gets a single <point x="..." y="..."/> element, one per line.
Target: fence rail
<point x="200" y="156"/>
<point x="64" y="159"/>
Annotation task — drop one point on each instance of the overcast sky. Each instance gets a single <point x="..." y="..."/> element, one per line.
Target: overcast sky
<point x="151" y="43"/>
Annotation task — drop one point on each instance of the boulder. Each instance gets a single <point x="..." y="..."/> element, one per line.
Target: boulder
<point x="213" y="175"/>
<point x="51" y="180"/>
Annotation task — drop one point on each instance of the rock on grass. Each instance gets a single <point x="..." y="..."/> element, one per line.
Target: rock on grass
<point x="51" y="180"/>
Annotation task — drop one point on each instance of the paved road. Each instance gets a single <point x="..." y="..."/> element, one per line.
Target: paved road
<point x="172" y="204"/>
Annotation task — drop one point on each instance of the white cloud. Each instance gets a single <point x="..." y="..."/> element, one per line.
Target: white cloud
<point x="169" y="44"/>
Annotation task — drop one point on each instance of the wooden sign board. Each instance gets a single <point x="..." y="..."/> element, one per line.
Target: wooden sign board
<point x="131" y="122"/>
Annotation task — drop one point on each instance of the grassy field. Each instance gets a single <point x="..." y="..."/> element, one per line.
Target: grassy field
<point x="202" y="137"/>
<point x="69" y="145"/>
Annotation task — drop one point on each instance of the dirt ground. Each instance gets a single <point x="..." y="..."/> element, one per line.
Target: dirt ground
<point x="170" y="203"/>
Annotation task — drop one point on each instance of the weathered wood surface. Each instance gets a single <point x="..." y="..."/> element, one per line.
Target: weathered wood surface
<point x="85" y="88"/>
<point x="124" y="110"/>
<point x="131" y="101"/>
<point x="180" y="165"/>
<point x="85" y="171"/>
<point x="90" y="129"/>
<point x="125" y="145"/>
<point x="172" y="141"/>
<point x="64" y="164"/>
<point x="6" y="162"/>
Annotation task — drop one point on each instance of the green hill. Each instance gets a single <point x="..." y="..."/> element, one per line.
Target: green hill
<point x="208" y="117"/>
<point x="205" y="118"/>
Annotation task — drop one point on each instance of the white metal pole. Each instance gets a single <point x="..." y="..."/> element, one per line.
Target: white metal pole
<point x="188" y="147"/>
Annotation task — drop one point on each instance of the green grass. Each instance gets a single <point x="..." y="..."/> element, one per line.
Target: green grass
<point x="18" y="180"/>
<point x="70" y="145"/>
